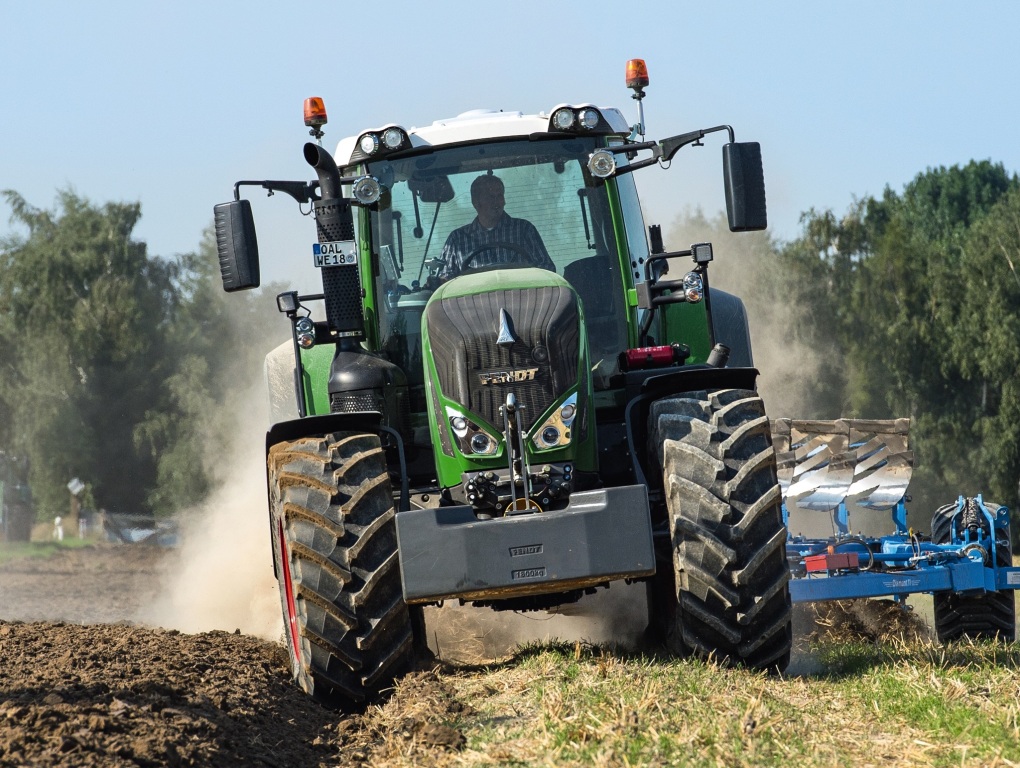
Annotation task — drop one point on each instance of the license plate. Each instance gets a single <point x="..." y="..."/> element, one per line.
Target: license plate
<point x="336" y="254"/>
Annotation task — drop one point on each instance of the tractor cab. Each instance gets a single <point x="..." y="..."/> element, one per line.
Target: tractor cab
<point x="425" y="229"/>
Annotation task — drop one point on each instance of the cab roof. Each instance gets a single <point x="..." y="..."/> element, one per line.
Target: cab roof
<point x="485" y="124"/>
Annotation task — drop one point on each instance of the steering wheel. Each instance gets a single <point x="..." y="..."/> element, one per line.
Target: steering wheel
<point x="523" y="253"/>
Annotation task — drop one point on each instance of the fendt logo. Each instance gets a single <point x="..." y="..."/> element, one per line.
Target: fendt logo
<point x="507" y="377"/>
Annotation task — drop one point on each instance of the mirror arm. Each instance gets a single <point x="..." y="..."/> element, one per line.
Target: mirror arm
<point x="672" y="145"/>
<point x="301" y="191"/>
<point x="664" y="150"/>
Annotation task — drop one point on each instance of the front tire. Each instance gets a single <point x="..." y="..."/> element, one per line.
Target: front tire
<point x="727" y="533"/>
<point x="347" y="627"/>
<point x="978" y="617"/>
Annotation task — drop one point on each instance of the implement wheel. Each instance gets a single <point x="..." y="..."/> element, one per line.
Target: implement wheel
<point x="978" y="617"/>
<point x="348" y="629"/>
<point x="732" y="595"/>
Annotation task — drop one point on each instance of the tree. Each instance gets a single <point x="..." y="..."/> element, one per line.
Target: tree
<point x="219" y="342"/>
<point x="84" y="315"/>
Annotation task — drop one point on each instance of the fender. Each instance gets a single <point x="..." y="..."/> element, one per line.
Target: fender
<point x="370" y="421"/>
<point x="644" y="387"/>
<point x="315" y="425"/>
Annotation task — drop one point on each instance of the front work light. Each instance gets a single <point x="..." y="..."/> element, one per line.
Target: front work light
<point x="588" y="118"/>
<point x="369" y="143"/>
<point x="563" y="119"/>
<point x="366" y="190"/>
<point x="602" y="163"/>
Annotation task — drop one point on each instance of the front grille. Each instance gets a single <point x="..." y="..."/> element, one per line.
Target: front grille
<point x="474" y="370"/>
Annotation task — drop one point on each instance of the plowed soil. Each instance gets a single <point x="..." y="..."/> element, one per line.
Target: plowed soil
<point x="103" y="693"/>
<point x="83" y="684"/>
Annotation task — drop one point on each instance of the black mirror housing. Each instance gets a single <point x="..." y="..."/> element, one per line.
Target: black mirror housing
<point x="744" y="179"/>
<point x="236" y="245"/>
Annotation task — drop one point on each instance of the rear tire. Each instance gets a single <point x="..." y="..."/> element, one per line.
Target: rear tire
<point x="347" y="627"/>
<point x="732" y="595"/>
<point x="978" y="617"/>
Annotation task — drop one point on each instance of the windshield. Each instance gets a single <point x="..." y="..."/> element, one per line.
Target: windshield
<point x="513" y="203"/>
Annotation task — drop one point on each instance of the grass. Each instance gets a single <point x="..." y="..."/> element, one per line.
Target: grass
<point x="16" y="550"/>
<point x="890" y="704"/>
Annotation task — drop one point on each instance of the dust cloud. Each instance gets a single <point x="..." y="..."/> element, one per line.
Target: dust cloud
<point x="792" y="369"/>
<point x="616" y="616"/>
<point x="221" y="574"/>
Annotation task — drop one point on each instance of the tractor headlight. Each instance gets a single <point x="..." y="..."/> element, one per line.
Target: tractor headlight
<point x="482" y="443"/>
<point x="602" y="163"/>
<point x="556" y="431"/>
<point x="471" y="438"/>
<point x="694" y="287"/>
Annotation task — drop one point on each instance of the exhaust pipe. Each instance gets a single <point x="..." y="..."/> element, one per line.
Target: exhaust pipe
<point x="325" y="167"/>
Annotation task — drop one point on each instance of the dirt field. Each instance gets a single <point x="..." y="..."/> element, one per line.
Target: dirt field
<point x="121" y="695"/>
<point x="83" y="684"/>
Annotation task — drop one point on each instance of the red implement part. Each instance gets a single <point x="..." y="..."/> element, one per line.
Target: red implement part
<point x="832" y="561"/>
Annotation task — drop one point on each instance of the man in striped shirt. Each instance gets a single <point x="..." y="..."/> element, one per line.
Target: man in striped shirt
<point x="493" y="237"/>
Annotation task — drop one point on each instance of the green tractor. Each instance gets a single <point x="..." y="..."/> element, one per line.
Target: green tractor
<point x="507" y="394"/>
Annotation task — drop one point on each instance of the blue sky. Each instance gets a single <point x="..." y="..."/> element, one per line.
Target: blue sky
<point x="170" y="103"/>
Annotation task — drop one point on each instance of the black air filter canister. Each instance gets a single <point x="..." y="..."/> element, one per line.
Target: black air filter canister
<point x="340" y="285"/>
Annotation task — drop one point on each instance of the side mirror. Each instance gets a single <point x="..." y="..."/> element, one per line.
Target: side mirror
<point x="236" y="245"/>
<point x="744" y="178"/>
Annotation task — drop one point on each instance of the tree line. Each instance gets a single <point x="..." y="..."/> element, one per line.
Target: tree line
<point x="907" y="304"/>
<point x="117" y="365"/>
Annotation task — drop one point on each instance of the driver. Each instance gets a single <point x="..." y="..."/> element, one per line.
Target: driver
<point x="491" y="229"/>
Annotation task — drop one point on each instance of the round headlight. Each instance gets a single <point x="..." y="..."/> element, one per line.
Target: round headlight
<point x="366" y="190"/>
<point x="567" y="412"/>
<point x="602" y="164"/>
<point x="369" y="143"/>
<point x="481" y="443"/>
<point x="550" y="436"/>
<point x="563" y="119"/>
<point x="392" y="138"/>
<point x="589" y="118"/>
<point x="304" y="325"/>
<point x="459" y="424"/>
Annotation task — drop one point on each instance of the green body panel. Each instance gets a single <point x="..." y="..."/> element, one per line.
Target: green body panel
<point x="623" y="250"/>
<point x="316" y="363"/>
<point x="687" y="324"/>
<point x="449" y="469"/>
